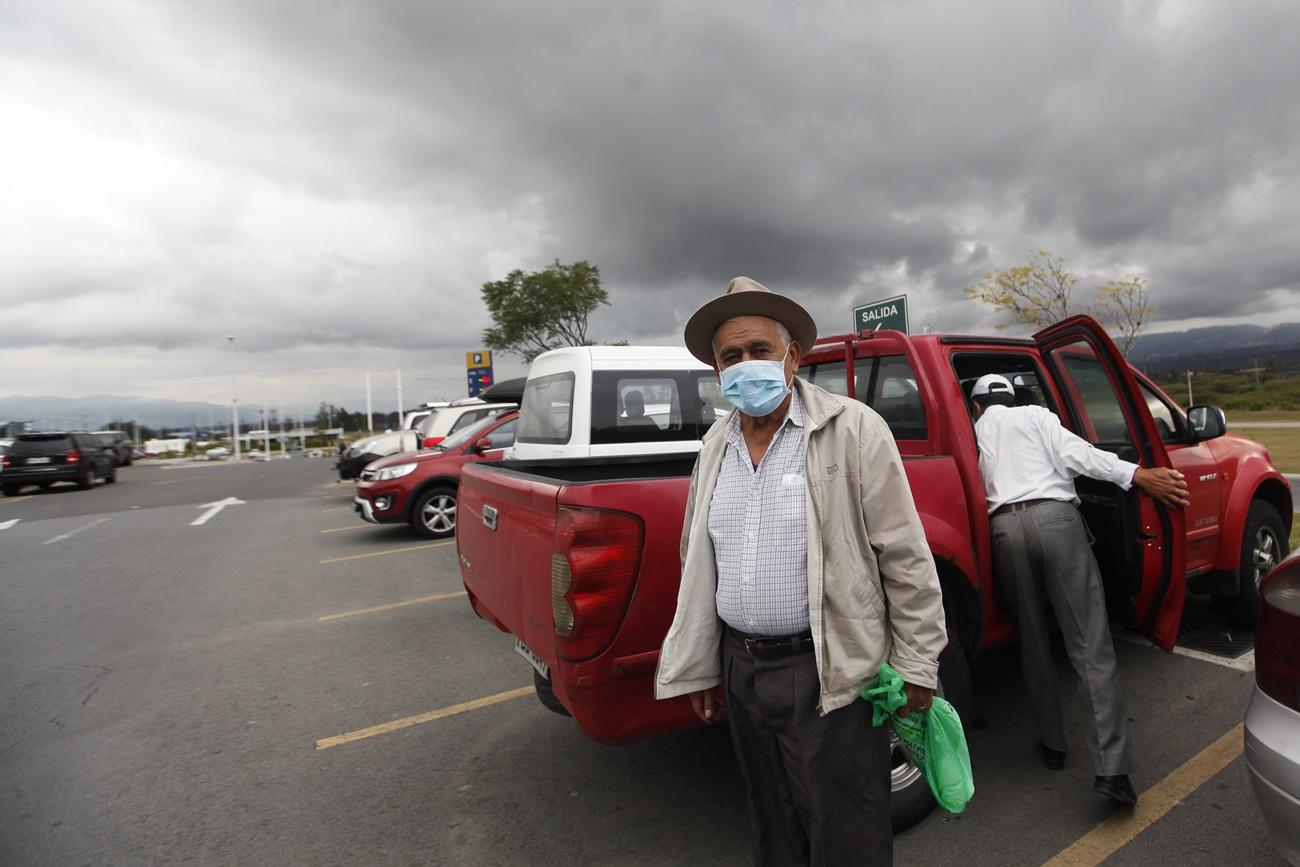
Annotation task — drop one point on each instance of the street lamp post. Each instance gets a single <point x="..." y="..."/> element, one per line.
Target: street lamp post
<point x="234" y="400"/>
<point x="266" y="420"/>
<point x="1190" y="402"/>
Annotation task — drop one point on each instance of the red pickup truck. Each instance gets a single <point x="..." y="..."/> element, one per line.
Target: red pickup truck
<point x="578" y="559"/>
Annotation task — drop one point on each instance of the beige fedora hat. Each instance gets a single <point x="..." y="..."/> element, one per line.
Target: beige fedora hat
<point x="746" y="297"/>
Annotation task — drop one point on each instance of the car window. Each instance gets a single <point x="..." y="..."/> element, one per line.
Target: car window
<point x="1093" y="395"/>
<point x="885" y="383"/>
<point x="1168" y="421"/>
<point x="503" y="437"/>
<point x="629" y="406"/>
<point x="708" y="395"/>
<point x="468" y="418"/>
<point x="1021" y="368"/>
<point x="40" y="446"/>
<point x="546" y="414"/>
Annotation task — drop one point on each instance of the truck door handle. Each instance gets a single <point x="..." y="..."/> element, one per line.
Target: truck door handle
<point x="490" y="517"/>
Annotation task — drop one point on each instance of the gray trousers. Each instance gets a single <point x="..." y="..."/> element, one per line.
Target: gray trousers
<point x="1040" y="554"/>
<point x="818" y="786"/>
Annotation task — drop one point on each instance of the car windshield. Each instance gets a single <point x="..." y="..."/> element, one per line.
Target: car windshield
<point x="468" y="434"/>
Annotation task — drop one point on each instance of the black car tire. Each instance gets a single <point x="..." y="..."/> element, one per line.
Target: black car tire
<point x="112" y="475"/>
<point x="12" y="490"/>
<point x="910" y="797"/>
<point x="434" y="513"/>
<point x="1263" y="546"/>
<point x="86" y="479"/>
<point x="546" y="695"/>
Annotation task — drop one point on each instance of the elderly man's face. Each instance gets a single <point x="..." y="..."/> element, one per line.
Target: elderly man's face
<point x="753" y="338"/>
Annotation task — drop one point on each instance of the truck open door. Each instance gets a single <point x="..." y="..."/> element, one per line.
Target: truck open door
<point x="1147" y="562"/>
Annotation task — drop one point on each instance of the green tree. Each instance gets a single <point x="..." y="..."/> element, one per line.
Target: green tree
<point x="536" y="311"/>
<point x="1039" y="292"/>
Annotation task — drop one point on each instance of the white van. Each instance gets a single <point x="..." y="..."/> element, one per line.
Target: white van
<point x="611" y="401"/>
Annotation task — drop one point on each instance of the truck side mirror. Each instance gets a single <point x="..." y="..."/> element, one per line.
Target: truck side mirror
<point x="1207" y="422"/>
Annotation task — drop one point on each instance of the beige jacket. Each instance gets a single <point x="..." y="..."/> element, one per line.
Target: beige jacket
<point x="873" y="593"/>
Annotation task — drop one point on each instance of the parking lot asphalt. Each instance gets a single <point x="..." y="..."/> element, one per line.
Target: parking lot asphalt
<point x="284" y="684"/>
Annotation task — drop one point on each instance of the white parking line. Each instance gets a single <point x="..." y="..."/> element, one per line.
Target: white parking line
<point x="1245" y="662"/>
<point x="5" y="525"/>
<point x="71" y="533"/>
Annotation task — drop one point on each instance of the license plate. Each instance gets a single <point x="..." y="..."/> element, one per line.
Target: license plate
<point x="542" y="668"/>
<point x="38" y="460"/>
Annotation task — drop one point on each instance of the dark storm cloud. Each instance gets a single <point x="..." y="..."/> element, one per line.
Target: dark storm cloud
<point x="840" y="152"/>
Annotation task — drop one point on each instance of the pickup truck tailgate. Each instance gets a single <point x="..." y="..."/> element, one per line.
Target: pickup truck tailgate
<point x="504" y="535"/>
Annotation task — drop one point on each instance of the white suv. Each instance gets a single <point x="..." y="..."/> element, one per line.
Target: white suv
<point x="457" y="415"/>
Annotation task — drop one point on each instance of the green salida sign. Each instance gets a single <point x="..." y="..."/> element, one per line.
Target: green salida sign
<point x="890" y="315"/>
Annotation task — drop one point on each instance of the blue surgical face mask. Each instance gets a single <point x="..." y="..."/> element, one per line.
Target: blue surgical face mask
<point x="756" y="388"/>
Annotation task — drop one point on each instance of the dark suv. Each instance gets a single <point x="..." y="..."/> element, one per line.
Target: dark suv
<point x="45" y="458"/>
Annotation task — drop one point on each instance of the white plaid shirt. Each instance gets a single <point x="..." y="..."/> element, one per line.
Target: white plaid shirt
<point x="759" y="526"/>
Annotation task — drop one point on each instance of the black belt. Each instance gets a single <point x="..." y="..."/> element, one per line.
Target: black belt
<point x="1008" y="508"/>
<point x="761" y="647"/>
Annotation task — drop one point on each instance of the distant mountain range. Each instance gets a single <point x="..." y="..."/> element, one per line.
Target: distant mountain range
<point x="94" y="411"/>
<point x="1220" y="347"/>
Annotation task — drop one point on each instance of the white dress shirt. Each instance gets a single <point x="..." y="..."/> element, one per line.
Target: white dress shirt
<point x="1026" y="454"/>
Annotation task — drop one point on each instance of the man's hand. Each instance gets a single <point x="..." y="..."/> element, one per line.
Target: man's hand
<point x="918" y="699"/>
<point x="1165" y="485"/>
<point x="709" y="705"/>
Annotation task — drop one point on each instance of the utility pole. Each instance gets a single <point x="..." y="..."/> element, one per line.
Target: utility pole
<point x="266" y="420"/>
<point x="234" y="400"/>
<point x="401" y="407"/>
<point x="370" y="416"/>
<point x="1190" y="402"/>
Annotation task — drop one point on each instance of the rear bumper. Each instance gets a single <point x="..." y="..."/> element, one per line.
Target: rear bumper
<point x="41" y="475"/>
<point x="1273" y="762"/>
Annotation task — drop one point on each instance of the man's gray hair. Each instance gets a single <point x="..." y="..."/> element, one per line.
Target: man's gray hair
<point x="781" y="331"/>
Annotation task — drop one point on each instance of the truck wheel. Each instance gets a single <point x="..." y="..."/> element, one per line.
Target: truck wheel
<point x="87" y="479"/>
<point x="546" y="695"/>
<point x="910" y="797"/>
<point x="1263" y="546"/>
<point x="434" y="513"/>
<point x="11" y="490"/>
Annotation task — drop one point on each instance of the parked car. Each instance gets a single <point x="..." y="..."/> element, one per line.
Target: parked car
<point x="422" y="488"/>
<point x="1273" y="717"/>
<point x="121" y="444"/>
<point x="45" y="458"/>
<point x="429" y="431"/>
<point x="572" y="545"/>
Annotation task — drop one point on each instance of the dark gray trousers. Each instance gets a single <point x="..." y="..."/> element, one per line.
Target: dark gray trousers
<point x="1040" y="554"/>
<point x="818" y="786"/>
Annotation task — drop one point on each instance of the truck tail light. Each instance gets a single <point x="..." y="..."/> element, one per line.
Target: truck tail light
<point x="593" y="571"/>
<point x="73" y="456"/>
<point x="4" y="462"/>
<point x="430" y="442"/>
<point x="1277" y="636"/>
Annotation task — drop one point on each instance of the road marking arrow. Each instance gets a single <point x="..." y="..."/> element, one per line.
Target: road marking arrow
<point x="213" y="508"/>
<point x="5" y="525"/>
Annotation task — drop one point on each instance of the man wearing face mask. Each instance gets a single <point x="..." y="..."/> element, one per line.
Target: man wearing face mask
<point x="804" y="567"/>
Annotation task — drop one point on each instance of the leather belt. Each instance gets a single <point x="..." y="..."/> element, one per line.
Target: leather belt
<point x="773" y="648"/>
<point x="1008" y="508"/>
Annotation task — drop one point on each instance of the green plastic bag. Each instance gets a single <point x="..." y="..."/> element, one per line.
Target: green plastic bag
<point x="933" y="740"/>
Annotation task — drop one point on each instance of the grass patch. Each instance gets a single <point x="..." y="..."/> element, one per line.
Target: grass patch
<point x="1243" y="417"/>
<point x="1295" y="536"/>
<point x="1283" y="444"/>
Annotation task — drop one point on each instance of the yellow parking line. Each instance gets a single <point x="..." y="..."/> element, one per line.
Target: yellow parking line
<point x="16" y="499"/>
<point x="407" y="722"/>
<point x="345" y="529"/>
<point x="392" y="605"/>
<point x="389" y="551"/>
<point x="1119" y="830"/>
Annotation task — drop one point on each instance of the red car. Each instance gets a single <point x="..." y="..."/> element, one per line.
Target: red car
<point x="421" y="488"/>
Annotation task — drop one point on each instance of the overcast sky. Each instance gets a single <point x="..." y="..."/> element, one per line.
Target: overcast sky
<point x="332" y="182"/>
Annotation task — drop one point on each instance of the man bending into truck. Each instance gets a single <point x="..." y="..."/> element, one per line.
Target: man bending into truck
<point x="1041" y="552"/>
<point x="804" y="567"/>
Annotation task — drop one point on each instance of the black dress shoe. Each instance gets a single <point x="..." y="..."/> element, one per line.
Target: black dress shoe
<point x="1053" y="759"/>
<point x="1118" y="788"/>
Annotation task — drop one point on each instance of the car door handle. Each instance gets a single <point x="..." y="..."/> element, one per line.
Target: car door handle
<point x="490" y="517"/>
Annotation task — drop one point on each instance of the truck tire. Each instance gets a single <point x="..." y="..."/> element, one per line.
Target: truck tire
<point x="87" y="479"/>
<point x="546" y="695"/>
<point x="434" y="513"/>
<point x="1263" y="546"/>
<point x="11" y="490"/>
<point x="910" y="797"/>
